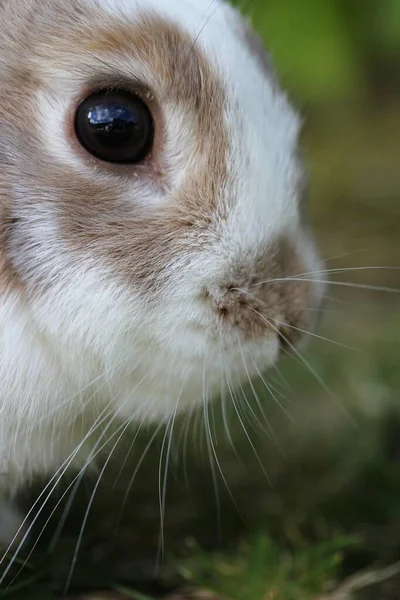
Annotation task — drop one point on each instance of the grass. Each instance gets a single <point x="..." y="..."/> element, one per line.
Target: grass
<point x="256" y="568"/>
<point x="330" y="507"/>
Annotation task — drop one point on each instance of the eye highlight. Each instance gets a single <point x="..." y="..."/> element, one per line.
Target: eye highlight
<point x="115" y="126"/>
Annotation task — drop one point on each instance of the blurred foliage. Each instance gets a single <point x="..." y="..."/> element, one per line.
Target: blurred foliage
<point x="259" y="567"/>
<point x="324" y="48"/>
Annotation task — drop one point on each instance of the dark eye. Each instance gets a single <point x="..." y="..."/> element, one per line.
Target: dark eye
<point x="115" y="126"/>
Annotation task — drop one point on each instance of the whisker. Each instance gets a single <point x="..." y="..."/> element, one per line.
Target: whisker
<point x="160" y="493"/>
<point x="269" y="432"/>
<point x="68" y="401"/>
<point x="246" y="410"/>
<point x="343" y="255"/>
<point x="217" y="462"/>
<point x="210" y="448"/>
<point x="138" y="465"/>
<point x="64" y="516"/>
<point x="197" y="426"/>
<point x="187" y="428"/>
<point x="57" y="478"/>
<point x="348" y="269"/>
<point x="310" y="368"/>
<point x="78" y="482"/>
<point x="320" y="337"/>
<point x="207" y="18"/>
<point x="240" y="406"/>
<point x="213" y="423"/>
<point x="268" y="387"/>
<point x="162" y="488"/>
<point x="339" y="283"/>
<point x="275" y="386"/>
<point x="284" y="381"/>
<point x="232" y="398"/>
<point x="248" y="438"/>
<point x="129" y="450"/>
<point x="80" y="536"/>
<point x="77" y="477"/>
<point x="225" y="413"/>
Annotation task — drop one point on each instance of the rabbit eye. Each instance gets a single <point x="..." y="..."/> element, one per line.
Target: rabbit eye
<point x="115" y="126"/>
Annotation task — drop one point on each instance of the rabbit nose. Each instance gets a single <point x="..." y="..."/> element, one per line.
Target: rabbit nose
<point x="262" y="297"/>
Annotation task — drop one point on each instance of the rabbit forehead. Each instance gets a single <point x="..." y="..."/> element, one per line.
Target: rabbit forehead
<point x="193" y="14"/>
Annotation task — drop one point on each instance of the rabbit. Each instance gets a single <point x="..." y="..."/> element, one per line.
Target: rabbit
<point x="153" y="220"/>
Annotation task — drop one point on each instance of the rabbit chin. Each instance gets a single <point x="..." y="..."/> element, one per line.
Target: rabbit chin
<point x="165" y="385"/>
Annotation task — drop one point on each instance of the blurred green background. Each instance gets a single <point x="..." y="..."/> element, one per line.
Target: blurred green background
<point x="328" y="503"/>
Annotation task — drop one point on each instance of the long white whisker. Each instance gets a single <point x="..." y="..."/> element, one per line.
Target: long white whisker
<point x="361" y="286"/>
<point x="92" y="455"/>
<point x="275" y="386"/>
<point x="224" y="407"/>
<point x="210" y="444"/>
<point x="56" y="477"/>
<point x="81" y="474"/>
<point x="138" y="465"/>
<point x="207" y="18"/>
<point x="284" y="381"/>
<point x="249" y="439"/>
<point x="80" y="536"/>
<point x="103" y="376"/>
<point x="310" y="368"/>
<point x="347" y="269"/>
<point x="162" y="488"/>
<point x="130" y="450"/>
<point x="268" y="387"/>
<point x="320" y="337"/>
<point x="101" y="419"/>
<point x="233" y="400"/>
<point x="186" y="429"/>
<point x="343" y="255"/>
<point x="78" y="481"/>
<point x="217" y="461"/>
<point x="249" y="415"/>
<point x="269" y="432"/>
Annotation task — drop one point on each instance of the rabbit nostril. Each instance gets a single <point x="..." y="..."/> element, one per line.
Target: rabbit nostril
<point x="222" y="311"/>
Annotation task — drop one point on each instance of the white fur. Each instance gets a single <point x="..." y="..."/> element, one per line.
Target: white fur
<point x="90" y="341"/>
